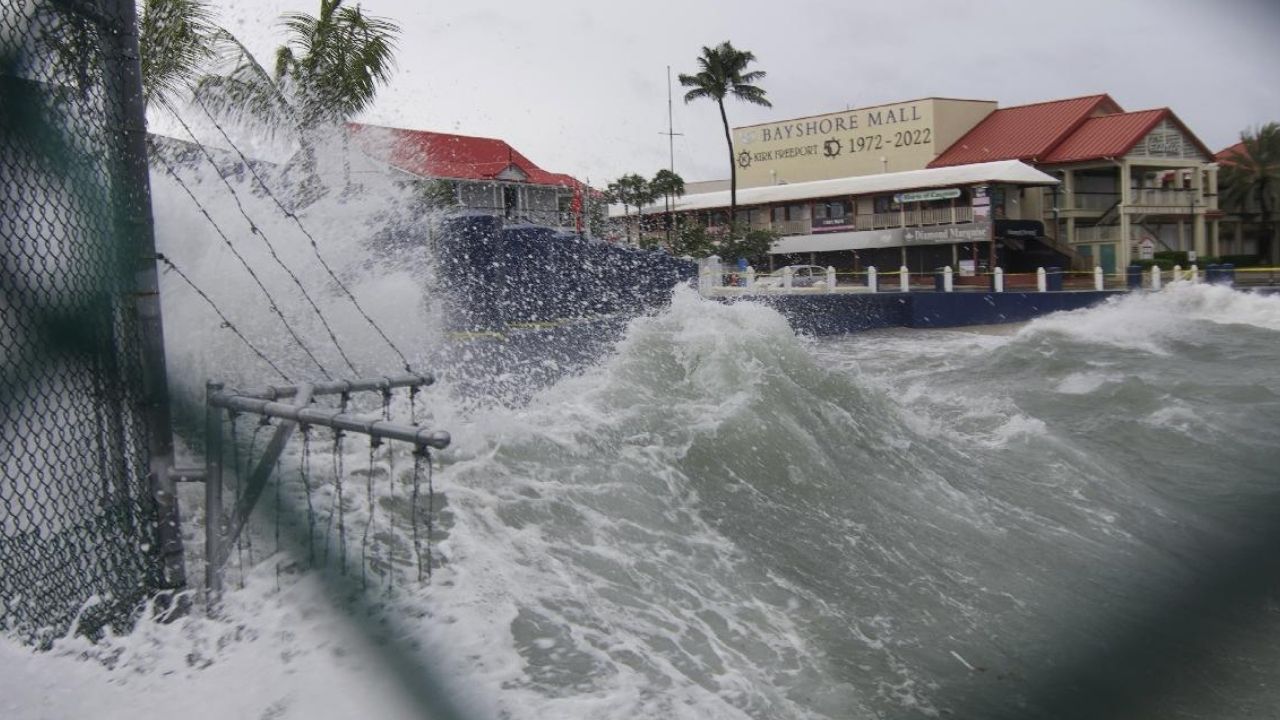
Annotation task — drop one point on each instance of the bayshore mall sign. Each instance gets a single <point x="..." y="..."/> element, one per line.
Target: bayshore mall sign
<point x="863" y="141"/>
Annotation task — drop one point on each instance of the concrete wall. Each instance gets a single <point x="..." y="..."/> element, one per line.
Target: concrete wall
<point x="953" y="118"/>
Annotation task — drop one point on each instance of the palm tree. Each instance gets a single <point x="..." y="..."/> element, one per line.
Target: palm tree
<point x="176" y="38"/>
<point x="670" y="186"/>
<point x="329" y="69"/>
<point x="1251" y="181"/>
<point x="723" y="72"/>
<point x="630" y="189"/>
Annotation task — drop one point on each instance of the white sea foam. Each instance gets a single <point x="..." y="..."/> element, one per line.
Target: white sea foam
<point x="1147" y="321"/>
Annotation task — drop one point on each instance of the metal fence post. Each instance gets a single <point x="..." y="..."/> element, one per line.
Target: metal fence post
<point x="136" y="238"/>
<point x="213" y="516"/>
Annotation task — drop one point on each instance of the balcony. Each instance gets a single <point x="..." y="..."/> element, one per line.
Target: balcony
<point x="1177" y="200"/>
<point x="1099" y="233"/>
<point x="1095" y="201"/>
<point x="793" y="227"/>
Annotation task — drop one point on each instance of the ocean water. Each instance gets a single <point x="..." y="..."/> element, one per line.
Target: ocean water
<point x="1077" y="517"/>
<point x="1073" y="518"/>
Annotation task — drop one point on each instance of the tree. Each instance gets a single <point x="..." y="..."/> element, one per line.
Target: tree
<point x="176" y="38"/>
<point x="630" y="189"/>
<point x="670" y="186"/>
<point x="329" y="69"/>
<point x="749" y="245"/>
<point x="1251" y="182"/>
<point x="692" y="239"/>
<point x="723" y="72"/>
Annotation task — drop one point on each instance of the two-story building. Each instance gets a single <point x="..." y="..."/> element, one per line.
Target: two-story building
<point x="1068" y="182"/>
<point x="476" y="173"/>
<point x="1131" y="183"/>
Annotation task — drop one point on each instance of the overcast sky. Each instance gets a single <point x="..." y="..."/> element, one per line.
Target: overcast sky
<point x="579" y="86"/>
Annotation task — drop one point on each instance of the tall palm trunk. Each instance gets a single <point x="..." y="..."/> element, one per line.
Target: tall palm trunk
<point x="1269" y="226"/>
<point x="733" y="167"/>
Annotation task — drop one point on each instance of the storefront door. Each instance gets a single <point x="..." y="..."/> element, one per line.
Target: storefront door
<point x="1107" y="258"/>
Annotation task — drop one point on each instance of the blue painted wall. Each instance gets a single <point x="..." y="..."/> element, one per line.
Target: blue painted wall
<point x="839" y="314"/>
<point x="497" y="277"/>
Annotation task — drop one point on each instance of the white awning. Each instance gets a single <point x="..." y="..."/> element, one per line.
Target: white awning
<point x="1010" y="172"/>
<point x="830" y="242"/>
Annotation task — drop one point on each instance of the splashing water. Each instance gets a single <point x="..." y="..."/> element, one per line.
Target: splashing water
<point x="720" y="519"/>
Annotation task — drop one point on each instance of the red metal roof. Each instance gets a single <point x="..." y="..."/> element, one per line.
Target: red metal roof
<point x="1111" y="136"/>
<point x="1106" y="136"/>
<point x="1227" y="155"/>
<point x="454" y="157"/>
<point x="1025" y="132"/>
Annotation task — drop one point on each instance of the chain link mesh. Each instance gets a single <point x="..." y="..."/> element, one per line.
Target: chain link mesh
<point x="78" y="523"/>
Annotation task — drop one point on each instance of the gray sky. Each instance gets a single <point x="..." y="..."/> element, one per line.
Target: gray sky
<point x="579" y="86"/>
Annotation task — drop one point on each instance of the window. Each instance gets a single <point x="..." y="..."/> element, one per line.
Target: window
<point x="832" y="210"/>
<point x="510" y="200"/>
<point x="778" y="213"/>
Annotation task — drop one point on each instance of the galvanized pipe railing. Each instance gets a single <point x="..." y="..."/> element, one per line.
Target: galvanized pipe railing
<point x="334" y="387"/>
<point x="419" y="436"/>
<point x="221" y="534"/>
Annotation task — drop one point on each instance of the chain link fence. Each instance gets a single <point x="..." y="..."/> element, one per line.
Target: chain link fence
<point x="79" y="539"/>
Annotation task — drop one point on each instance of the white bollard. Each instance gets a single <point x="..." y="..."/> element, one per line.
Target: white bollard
<point x="946" y="279"/>
<point x="1098" y="280"/>
<point x="787" y="273"/>
<point x="716" y="278"/>
<point x="1177" y="274"/>
<point x="1195" y="273"/>
<point x="751" y="278"/>
<point x="1155" y="277"/>
<point x="904" y="279"/>
<point x="1042" y="282"/>
<point x="872" y="281"/>
<point x="831" y="279"/>
<point x="999" y="279"/>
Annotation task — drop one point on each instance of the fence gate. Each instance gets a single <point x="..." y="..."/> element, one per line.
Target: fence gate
<point x="81" y="414"/>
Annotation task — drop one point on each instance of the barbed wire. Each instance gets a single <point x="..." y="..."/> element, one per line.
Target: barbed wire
<point x="226" y="322"/>
<point x="254" y="229"/>
<point x="271" y="302"/>
<point x="302" y="228"/>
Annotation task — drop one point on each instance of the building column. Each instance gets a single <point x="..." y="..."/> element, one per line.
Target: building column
<point x="1215" y="242"/>
<point x="1123" y="253"/>
<point x="1213" y="187"/>
<point x="1198" y="235"/>
<point x="1068" y="190"/>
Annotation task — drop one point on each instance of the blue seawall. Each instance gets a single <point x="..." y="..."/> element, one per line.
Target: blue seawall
<point x="839" y="314"/>
<point x="500" y="277"/>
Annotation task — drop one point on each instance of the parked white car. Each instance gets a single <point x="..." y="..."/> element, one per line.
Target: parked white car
<point x="802" y="276"/>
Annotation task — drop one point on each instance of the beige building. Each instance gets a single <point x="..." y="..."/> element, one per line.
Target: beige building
<point x="1128" y="184"/>
<point x="863" y="141"/>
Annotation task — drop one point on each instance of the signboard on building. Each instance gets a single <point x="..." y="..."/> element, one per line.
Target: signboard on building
<point x="927" y="195"/>
<point x="1147" y="249"/>
<point x="829" y="224"/>
<point x="948" y="234"/>
<point x="862" y="141"/>
<point x="1022" y="229"/>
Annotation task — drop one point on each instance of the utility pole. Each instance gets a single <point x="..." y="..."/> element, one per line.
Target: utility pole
<point x="671" y="150"/>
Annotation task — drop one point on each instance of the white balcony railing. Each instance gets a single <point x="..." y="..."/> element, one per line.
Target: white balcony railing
<point x="1178" y="199"/>
<point x="1095" y="200"/>
<point x="935" y="216"/>
<point x="792" y="227"/>
<point x="1099" y="233"/>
